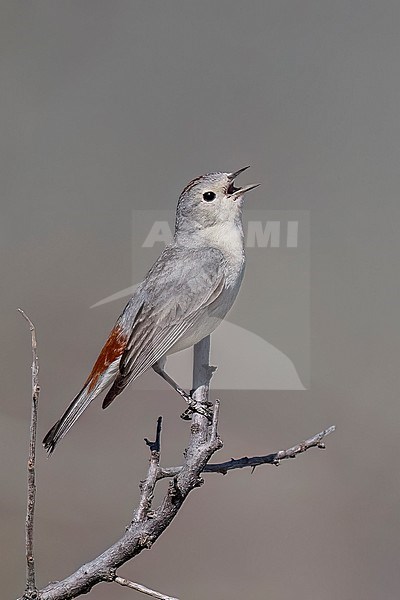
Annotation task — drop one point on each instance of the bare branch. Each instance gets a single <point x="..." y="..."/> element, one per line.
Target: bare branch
<point x="271" y="459"/>
<point x="141" y="588"/>
<point x="30" y="589"/>
<point x="147" y="486"/>
<point x="147" y="525"/>
<point x="202" y="373"/>
<point x="214" y="424"/>
<point x="155" y="446"/>
<point x="255" y="461"/>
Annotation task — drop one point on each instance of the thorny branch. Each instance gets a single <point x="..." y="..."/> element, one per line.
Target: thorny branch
<point x="147" y="523"/>
<point x="268" y="459"/>
<point x="30" y="589"/>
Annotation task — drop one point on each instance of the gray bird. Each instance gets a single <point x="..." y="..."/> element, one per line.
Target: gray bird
<point x="185" y="295"/>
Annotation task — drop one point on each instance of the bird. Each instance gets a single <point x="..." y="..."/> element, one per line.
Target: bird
<point x="184" y="296"/>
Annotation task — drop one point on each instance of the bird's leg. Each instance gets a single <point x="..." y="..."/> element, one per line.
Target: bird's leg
<point x="158" y="368"/>
<point x="193" y="406"/>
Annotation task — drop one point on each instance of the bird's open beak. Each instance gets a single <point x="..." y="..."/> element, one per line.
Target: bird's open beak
<point x="233" y="176"/>
<point x="235" y="192"/>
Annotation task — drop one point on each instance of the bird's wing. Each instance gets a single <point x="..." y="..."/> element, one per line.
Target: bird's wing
<point x="178" y="292"/>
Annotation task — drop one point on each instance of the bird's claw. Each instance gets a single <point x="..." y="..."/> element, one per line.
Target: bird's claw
<point x="195" y="407"/>
<point x="202" y="408"/>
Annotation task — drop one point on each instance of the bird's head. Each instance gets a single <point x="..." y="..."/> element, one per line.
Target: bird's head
<point x="210" y="200"/>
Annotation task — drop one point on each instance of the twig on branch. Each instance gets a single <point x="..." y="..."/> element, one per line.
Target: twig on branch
<point x="255" y="461"/>
<point x="270" y="459"/>
<point x="141" y="588"/>
<point x="147" y="486"/>
<point x="147" y="525"/>
<point x="155" y="446"/>
<point x="30" y="589"/>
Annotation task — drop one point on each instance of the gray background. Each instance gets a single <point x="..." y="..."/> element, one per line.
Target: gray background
<point x="104" y="103"/>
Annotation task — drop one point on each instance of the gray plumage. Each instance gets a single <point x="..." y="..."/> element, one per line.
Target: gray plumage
<point x="184" y="296"/>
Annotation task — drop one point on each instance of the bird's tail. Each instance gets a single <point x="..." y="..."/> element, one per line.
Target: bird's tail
<point x="88" y="393"/>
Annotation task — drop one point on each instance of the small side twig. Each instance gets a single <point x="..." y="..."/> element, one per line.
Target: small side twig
<point x="271" y="459"/>
<point x="147" y="486"/>
<point x="31" y="590"/>
<point x="255" y="461"/>
<point x="141" y="588"/>
<point x="214" y="423"/>
<point x="155" y="446"/>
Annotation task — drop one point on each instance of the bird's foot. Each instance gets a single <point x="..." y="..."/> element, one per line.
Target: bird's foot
<point x="203" y="408"/>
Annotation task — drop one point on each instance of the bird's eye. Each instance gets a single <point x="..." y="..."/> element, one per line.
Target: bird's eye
<point x="209" y="196"/>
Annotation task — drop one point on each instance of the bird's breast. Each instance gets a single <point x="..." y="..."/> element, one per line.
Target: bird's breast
<point x="215" y="313"/>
